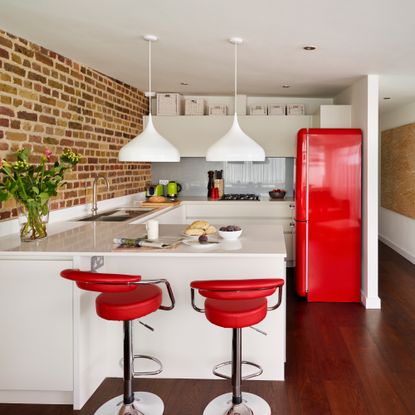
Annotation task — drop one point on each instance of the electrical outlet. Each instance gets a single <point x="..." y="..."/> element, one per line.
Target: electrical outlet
<point x="163" y="182"/>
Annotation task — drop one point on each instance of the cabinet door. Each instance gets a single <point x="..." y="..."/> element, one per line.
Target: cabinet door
<point x="333" y="116"/>
<point x="237" y="210"/>
<point x="193" y="135"/>
<point x="35" y="326"/>
<point x="288" y="236"/>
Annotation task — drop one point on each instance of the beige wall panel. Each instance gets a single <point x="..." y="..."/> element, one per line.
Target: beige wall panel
<point x="398" y="170"/>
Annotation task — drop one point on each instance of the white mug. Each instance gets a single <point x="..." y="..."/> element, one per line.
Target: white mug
<point x="152" y="227"/>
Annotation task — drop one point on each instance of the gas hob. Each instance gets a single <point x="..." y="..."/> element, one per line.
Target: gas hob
<point x="240" y="196"/>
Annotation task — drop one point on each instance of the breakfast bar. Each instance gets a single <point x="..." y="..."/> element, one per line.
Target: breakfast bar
<point x="59" y="323"/>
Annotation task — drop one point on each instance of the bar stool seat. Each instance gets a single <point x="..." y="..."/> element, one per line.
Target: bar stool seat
<point x="129" y="305"/>
<point x="235" y="313"/>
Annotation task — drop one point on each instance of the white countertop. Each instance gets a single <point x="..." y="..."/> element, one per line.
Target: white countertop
<point x="80" y="238"/>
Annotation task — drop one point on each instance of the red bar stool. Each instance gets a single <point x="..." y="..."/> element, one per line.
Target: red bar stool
<point x="126" y="298"/>
<point x="237" y="304"/>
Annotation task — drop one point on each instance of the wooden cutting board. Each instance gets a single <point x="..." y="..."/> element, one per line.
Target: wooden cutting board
<point x="161" y="204"/>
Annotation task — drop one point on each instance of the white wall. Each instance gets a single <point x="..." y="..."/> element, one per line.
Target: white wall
<point x="396" y="230"/>
<point x="364" y="96"/>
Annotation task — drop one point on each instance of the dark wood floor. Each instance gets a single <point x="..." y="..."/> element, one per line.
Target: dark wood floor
<point x="342" y="360"/>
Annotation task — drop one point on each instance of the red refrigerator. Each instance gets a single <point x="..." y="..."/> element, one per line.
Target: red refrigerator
<point x="328" y="214"/>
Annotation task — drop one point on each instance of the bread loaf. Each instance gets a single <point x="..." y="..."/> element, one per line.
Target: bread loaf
<point x="200" y="224"/>
<point x="157" y="199"/>
<point x="194" y="232"/>
<point x="210" y="230"/>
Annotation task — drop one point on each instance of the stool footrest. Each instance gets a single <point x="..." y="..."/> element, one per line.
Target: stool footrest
<point x="244" y="362"/>
<point x="147" y="373"/>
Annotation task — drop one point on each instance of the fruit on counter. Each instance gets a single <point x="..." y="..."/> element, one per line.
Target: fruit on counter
<point x="277" y="194"/>
<point x="230" y="228"/>
<point x="230" y="232"/>
<point x="203" y="239"/>
<point x="200" y="227"/>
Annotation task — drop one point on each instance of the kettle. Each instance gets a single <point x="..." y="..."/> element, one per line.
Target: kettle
<point x="173" y="188"/>
<point x="159" y="190"/>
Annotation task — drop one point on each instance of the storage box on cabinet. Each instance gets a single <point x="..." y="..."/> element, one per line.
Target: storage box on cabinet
<point x="194" y="106"/>
<point x="276" y="109"/>
<point x="257" y="110"/>
<point x="295" y="109"/>
<point x="169" y="104"/>
<point x="218" y="109"/>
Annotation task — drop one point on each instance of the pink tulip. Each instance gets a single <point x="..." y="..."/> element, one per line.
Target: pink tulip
<point x="48" y="154"/>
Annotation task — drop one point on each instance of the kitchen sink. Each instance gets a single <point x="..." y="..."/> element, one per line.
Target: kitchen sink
<point x="118" y="215"/>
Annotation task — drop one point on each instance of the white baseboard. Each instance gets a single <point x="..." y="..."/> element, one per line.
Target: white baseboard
<point x="36" y="397"/>
<point x="370" y="303"/>
<point x="401" y="251"/>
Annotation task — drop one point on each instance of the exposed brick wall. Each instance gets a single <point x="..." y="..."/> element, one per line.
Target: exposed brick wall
<point x="49" y="101"/>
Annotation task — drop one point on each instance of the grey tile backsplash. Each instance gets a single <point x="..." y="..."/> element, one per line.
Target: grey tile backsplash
<point x="240" y="177"/>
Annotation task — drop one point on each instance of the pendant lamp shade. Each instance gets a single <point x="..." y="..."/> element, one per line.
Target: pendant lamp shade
<point x="150" y="145"/>
<point x="235" y="145"/>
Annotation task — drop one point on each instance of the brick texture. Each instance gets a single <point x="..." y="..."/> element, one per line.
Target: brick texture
<point x="50" y="101"/>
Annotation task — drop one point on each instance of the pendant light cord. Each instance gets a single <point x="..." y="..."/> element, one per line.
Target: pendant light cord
<point x="149" y="77"/>
<point x="236" y="74"/>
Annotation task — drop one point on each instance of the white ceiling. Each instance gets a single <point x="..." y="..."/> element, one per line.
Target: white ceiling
<point x="354" y="38"/>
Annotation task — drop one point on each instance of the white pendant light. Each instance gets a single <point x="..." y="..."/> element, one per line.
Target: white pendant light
<point x="149" y="145"/>
<point x="235" y="145"/>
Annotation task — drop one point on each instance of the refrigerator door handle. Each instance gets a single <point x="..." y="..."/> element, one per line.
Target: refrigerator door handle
<point x="307" y="208"/>
<point x="306" y="258"/>
<point x="307" y="204"/>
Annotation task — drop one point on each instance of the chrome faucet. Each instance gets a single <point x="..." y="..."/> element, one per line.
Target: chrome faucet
<point x="94" y="193"/>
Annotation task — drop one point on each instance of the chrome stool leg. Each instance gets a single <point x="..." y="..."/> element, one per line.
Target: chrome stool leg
<point x="238" y="406"/>
<point x="131" y="403"/>
<point x="237" y="403"/>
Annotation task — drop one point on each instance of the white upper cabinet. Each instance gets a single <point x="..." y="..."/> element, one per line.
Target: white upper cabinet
<point x="333" y="116"/>
<point x="193" y="135"/>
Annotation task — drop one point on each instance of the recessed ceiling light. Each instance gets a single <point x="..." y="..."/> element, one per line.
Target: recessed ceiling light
<point x="184" y="83"/>
<point x="309" y="48"/>
<point x="286" y="86"/>
<point x="386" y="97"/>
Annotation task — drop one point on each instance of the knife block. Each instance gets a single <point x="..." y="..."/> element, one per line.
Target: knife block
<point x="219" y="183"/>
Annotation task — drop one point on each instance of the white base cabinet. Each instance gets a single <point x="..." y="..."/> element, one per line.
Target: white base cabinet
<point x="37" y="332"/>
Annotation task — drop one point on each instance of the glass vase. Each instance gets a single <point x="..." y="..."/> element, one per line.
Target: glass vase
<point x="32" y="221"/>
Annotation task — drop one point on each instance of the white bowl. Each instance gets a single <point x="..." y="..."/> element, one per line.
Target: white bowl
<point x="231" y="245"/>
<point x="230" y="235"/>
